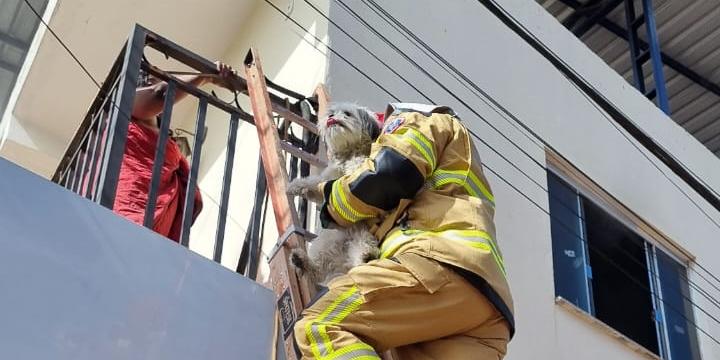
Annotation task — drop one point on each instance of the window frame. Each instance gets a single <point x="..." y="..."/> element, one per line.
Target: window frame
<point x="600" y="197"/>
<point x="653" y="239"/>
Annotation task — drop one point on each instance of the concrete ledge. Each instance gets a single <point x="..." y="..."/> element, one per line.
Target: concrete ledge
<point x="567" y="305"/>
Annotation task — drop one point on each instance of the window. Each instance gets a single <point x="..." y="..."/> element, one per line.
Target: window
<point x="617" y="276"/>
<point x="17" y="28"/>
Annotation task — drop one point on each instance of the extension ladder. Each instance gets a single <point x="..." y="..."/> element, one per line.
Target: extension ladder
<point x="292" y="291"/>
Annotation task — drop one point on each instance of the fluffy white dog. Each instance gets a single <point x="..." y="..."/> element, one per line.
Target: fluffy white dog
<point x="348" y="131"/>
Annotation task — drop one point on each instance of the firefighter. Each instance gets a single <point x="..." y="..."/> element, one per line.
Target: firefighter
<point x="439" y="289"/>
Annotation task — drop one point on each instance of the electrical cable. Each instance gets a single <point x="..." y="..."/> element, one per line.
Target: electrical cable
<point x="397" y="25"/>
<point x="381" y="87"/>
<point x="522" y="31"/>
<point x="392" y="20"/>
<point x="540" y="207"/>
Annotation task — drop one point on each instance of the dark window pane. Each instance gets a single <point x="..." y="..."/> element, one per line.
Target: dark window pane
<point x="620" y="280"/>
<point x="678" y="310"/>
<point x="569" y="260"/>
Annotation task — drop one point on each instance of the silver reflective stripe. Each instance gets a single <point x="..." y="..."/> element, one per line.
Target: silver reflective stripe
<point x="337" y="311"/>
<point x="342" y="206"/>
<point x="474" y="238"/>
<point x="343" y="306"/>
<point x="321" y="343"/>
<point x="470" y="239"/>
<point x="395" y="239"/>
<point x="442" y="177"/>
<point x="418" y="139"/>
<point x="357" y="354"/>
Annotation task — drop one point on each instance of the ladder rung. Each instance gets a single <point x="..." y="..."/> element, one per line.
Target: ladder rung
<point x="308" y="236"/>
<point x="643" y="56"/>
<point x="638" y="22"/>
<point x="651" y="94"/>
<point x="304" y="155"/>
<point x="291" y="116"/>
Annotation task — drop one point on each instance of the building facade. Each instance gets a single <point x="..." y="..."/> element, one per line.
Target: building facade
<point x="609" y="254"/>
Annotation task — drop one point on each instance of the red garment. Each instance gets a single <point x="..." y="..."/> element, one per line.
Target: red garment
<point x="134" y="182"/>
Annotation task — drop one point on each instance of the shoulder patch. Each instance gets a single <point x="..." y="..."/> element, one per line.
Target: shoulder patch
<point x="393" y="125"/>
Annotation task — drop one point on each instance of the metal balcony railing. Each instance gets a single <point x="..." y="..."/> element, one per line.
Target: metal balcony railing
<point x="91" y="164"/>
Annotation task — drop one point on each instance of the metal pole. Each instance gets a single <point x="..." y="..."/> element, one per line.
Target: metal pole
<point x="194" y="168"/>
<point x="99" y="138"/>
<point x="159" y="155"/>
<point x="655" y="57"/>
<point x="118" y="127"/>
<point x="225" y="192"/>
<point x="632" y="39"/>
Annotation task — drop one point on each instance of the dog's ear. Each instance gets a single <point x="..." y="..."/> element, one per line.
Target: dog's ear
<point x="369" y="122"/>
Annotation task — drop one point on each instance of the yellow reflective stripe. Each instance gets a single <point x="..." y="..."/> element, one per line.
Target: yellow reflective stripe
<point x="394" y="240"/>
<point x="474" y="238"/>
<point x="316" y="330"/>
<point x="498" y="257"/>
<point x="478" y="239"/>
<point x="359" y="351"/>
<point x="467" y="179"/>
<point x="475" y="180"/>
<point x="339" y="202"/>
<point x="440" y="178"/>
<point x="421" y="143"/>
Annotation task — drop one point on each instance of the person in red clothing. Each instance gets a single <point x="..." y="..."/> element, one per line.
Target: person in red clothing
<point x="137" y="164"/>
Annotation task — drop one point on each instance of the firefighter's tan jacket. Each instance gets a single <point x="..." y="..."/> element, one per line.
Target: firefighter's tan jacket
<point x="450" y="216"/>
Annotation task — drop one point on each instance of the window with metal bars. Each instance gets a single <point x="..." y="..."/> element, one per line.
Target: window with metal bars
<point x="614" y="274"/>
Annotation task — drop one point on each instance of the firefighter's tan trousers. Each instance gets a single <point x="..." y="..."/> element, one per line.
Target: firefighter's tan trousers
<point x="415" y="305"/>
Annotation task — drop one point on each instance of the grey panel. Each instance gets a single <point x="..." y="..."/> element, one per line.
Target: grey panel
<point x="79" y="282"/>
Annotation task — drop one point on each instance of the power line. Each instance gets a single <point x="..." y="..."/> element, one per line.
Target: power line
<point x="447" y="67"/>
<point x="357" y="69"/>
<point x="437" y="58"/>
<point x="634" y="279"/>
<point x="610" y="261"/>
<point x="62" y="43"/>
<point x="366" y="50"/>
<point x="555" y="57"/>
<point x="451" y="93"/>
<point x="425" y="48"/>
<point x="428" y="50"/>
<point x="648" y="158"/>
<point x="501" y="155"/>
<point x="396" y="24"/>
<point x="689" y="176"/>
<point x="440" y="84"/>
<point x="333" y="51"/>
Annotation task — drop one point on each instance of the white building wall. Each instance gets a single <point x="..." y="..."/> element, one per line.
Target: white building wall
<point x="290" y="58"/>
<point x="53" y="94"/>
<point x="489" y="53"/>
<point x="39" y="124"/>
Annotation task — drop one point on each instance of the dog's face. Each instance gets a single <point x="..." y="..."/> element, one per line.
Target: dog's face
<point x="347" y="126"/>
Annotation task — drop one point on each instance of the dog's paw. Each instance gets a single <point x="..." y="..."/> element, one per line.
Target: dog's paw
<point x="371" y="255"/>
<point x="296" y="188"/>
